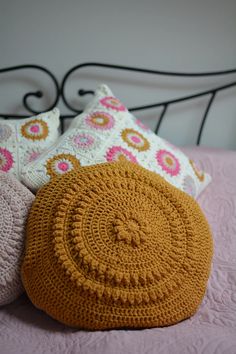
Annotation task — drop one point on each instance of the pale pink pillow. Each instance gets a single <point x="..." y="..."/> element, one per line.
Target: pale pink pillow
<point x="15" y="201"/>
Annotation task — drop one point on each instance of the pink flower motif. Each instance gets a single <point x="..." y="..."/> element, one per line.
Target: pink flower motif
<point x="113" y="103"/>
<point x="135" y="139"/>
<point x="6" y="160"/>
<point x="83" y="141"/>
<point x="168" y="162"/>
<point x="100" y="120"/>
<point x="117" y="153"/>
<point x="64" y="166"/>
<point x="34" y="128"/>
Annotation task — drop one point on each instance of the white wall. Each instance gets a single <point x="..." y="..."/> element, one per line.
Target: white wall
<point x="182" y="35"/>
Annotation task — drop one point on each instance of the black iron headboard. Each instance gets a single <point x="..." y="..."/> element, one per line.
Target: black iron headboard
<point x="60" y="91"/>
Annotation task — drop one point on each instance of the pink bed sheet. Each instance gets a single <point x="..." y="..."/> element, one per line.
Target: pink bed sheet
<point x="25" y="329"/>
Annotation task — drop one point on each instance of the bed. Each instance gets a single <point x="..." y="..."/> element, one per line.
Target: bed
<point x="26" y="329"/>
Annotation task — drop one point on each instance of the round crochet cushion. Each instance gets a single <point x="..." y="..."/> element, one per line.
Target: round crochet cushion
<point x="15" y="201"/>
<point x="114" y="245"/>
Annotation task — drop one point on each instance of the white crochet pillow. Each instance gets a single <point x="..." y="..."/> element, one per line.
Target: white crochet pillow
<point x="15" y="201"/>
<point x="107" y="131"/>
<point x="23" y="140"/>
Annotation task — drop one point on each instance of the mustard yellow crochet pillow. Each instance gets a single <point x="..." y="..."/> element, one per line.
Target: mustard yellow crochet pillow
<point x="114" y="245"/>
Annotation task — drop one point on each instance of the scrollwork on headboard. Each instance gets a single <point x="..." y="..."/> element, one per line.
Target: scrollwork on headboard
<point x="60" y="91"/>
<point x="36" y="94"/>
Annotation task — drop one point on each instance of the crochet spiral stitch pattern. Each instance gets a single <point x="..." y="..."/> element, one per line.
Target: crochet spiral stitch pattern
<point x="15" y="201"/>
<point x="115" y="245"/>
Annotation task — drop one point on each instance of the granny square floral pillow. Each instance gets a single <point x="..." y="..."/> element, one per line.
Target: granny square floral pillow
<point x="23" y="140"/>
<point x="107" y="131"/>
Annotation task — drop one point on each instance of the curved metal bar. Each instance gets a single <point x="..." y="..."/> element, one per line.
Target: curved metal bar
<point x="60" y="91"/>
<point x="148" y="71"/>
<point x="213" y="94"/>
<point x="82" y="92"/>
<point x="161" y="118"/>
<point x="37" y="94"/>
<point x="185" y="98"/>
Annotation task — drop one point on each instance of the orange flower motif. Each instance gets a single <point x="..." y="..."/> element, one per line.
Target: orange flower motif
<point x="35" y="129"/>
<point x="61" y="164"/>
<point x="199" y="173"/>
<point x="135" y="139"/>
<point x="100" y="120"/>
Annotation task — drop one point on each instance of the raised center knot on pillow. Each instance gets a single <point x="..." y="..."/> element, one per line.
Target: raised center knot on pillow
<point x="131" y="228"/>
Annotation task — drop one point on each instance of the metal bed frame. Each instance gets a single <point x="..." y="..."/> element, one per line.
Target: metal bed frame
<point x="60" y="91"/>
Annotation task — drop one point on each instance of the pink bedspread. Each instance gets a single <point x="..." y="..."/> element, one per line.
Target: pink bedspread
<point x="24" y="329"/>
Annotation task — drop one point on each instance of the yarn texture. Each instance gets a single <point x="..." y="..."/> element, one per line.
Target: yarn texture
<point x="15" y="201"/>
<point x="107" y="132"/>
<point x="115" y="245"/>
<point x="24" y="140"/>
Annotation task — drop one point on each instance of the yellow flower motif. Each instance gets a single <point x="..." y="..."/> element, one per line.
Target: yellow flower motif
<point x="100" y="120"/>
<point x="35" y="129"/>
<point x="135" y="139"/>
<point x="200" y="175"/>
<point x="61" y="164"/>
